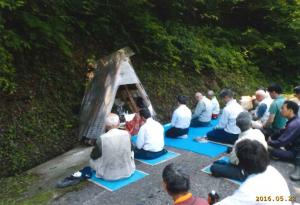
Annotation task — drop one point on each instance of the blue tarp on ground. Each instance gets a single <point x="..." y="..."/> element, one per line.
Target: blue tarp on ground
<point x="168" y="156"/>
<point x="115" y="185"/>
<point x="209" y="149"/>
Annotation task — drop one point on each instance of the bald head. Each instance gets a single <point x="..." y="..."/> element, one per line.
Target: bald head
<point x="112" y="121"/>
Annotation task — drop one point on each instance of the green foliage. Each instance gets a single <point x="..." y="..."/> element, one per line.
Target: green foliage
<point x="12" y="188"/>
<point x="181" y="47"/>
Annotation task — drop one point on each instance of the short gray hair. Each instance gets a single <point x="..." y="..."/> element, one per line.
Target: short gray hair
<point x="112" y="120"/>
<point x="243" y="121"/>
<point x="210" y="93"/>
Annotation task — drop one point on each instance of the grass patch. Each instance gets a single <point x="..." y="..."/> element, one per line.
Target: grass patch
<point x="22" y="190"/>
<point x="12" y="189"/>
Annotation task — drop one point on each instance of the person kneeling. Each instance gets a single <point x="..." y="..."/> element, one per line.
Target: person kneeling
<point x="150" y="139"/>
<point x="177" y="184"/>
<point x="112" y="158"/>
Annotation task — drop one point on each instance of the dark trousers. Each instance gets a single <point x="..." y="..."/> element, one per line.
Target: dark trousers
<point x="196" y="123"/>
<point x="287" y="155"/>
<point x="227" y="170"/>
<point x="269" y="132"/>
<point x="144" y="154"/>
<point x="220" y="135"/>
<point x="176" y="132"/>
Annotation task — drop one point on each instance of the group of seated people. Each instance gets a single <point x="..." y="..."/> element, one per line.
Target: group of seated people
<point x="273" y="127"/>
<point x="264" y="184"/>
<point x="207" y="108"/>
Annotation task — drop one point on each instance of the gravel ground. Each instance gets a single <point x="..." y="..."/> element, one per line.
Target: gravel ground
<point x="149" y="190"/>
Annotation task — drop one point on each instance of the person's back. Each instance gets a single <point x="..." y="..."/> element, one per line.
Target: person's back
<point x="207" y="113"/>
<point x="181" y="117"/>
<point x="266" y="188"/>
<point x="279" y="120"/>
<point x="230" y="113"/>
<point x="215" y="106"/>
<point x="203" y="112"/>
<point x="264" y="184"/>
<point x="117" y="160"/>
<point x="251" y="134"/>
<point x="152" y="136"/>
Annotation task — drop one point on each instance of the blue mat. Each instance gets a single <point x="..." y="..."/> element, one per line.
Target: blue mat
<point x="161" y="159"/>
<point x="115" y="185"/>
<point x="209" y="149"/>
<point x="208" y="171"/>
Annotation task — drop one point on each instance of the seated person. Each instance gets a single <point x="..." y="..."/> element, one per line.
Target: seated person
<point x="215" y="104"/>
<point x="150" y="139"/>
<point x="263" y="179"/>
<point x="177" y="184"/>
<point x="288" y="138"/>
<point x="181" y="119"/>
<point x="275" y="121"/>
<point x="112" y="157"/>
<point x="226" y="131"/>
<point x="297" y="95"/>
<point x="203" y="112"/>
<point x="133" y="126"/>
<point x="261" y="113"/>
<point x="231" y="170"/>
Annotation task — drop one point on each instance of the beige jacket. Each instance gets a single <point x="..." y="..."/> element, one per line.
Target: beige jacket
<point x="117" y="160"/>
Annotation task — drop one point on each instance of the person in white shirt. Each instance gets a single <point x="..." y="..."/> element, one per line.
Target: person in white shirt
<point x="226" y="131"/>
<point x="181" y="119"/>
<point x="264" y="184"/>
<point x="215" y="104"/>
<point x="231" y="170"/>
<point x="150" y="138"/>
<point x="261" y="113"/>
<point x="203" y="112"/>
